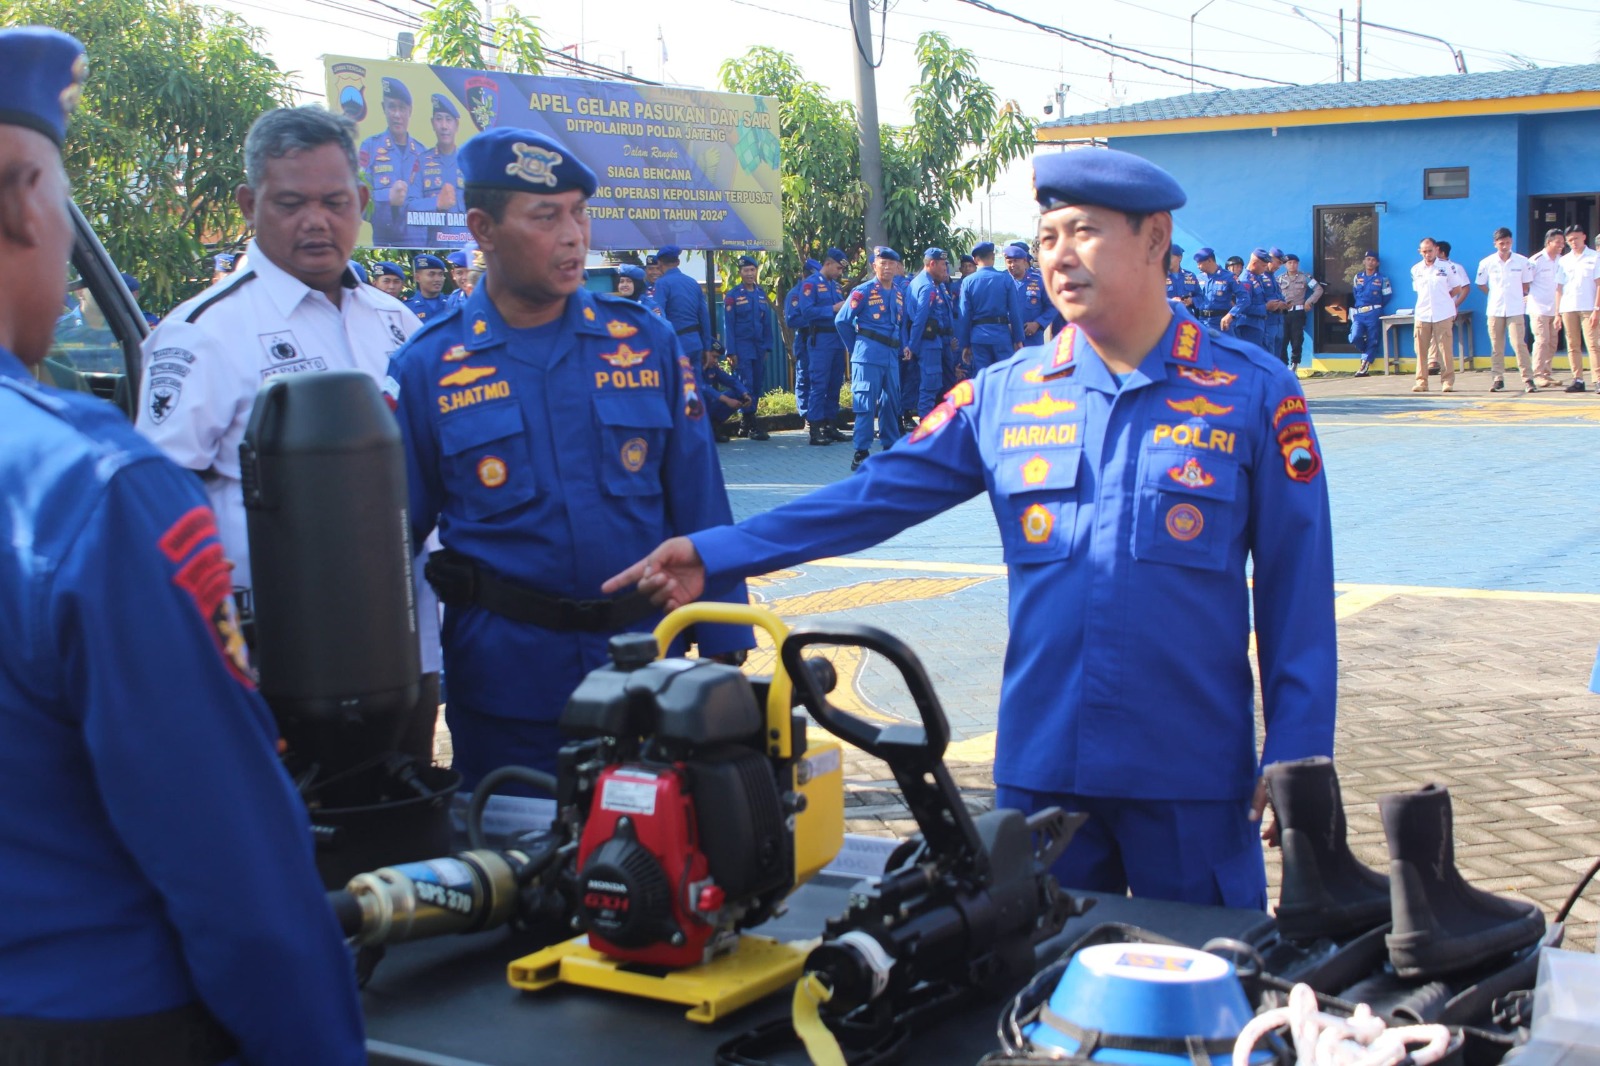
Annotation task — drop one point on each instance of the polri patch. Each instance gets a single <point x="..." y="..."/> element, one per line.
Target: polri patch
<point x="634" y="452"/>
<point x="1184" y="522"/>
<point x="492" y="471"/>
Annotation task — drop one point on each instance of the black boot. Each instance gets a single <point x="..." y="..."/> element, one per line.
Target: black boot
<point x="859" y="458"/>
<point x="1442" y="924"/>
<point x="817" y="435"/>
<point x="832" y="431"/>
<point x="1325" y="890"/>
<point x="752" y="428"/>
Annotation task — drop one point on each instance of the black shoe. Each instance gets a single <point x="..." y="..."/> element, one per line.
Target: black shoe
<point x="721" y="435"/>
<point x="1326" y="892"/>
<point x="1576" y="386"/>
<point x="860" y="457"/>
<point x="1362" y="373"/>
<point x="831" y="431"/>
<point x="1442" y="924"/>
<point x="817" y="436"/>
<point x="1528" y="386"/>
<point x="1433" y="371"/>
<point x="1498" y="386"/>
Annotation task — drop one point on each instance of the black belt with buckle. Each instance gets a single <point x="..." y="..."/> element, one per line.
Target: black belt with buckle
<point x="687" y="330"/>
<point x="1211" y="314"/>
<point x="991" y="320"/>
<point x="931" y="333"/>
<point x="461" y="582"/>
<point x="182" y="1036"/>
<point x="881" y="338"/>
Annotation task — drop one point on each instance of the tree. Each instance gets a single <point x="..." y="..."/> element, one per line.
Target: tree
<point x="453" y="34"/>
<point x="155" y="149"/>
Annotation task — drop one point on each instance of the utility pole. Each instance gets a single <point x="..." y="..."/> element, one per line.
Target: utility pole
<point x="1341" y="44"/>
<point x="1192" y="17"/>
<point x="867" y="122"/>
<point x="1358" y="40"/>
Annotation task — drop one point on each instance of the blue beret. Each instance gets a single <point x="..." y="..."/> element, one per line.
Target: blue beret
<point x="969" y="259"/>
<point x="1103" y="177"/>
<point x="382" y="270"/>
<point x="222" y="261"/>
<point x="44" y="78"/>
<point x="1261" y="254"/>
<point x="935" y="253"/>
<point x="458" y="259"/>
<point x="837" y="255"/>
<point x="1287" y="256"/>
<point x="813" y="266"/>
<point x="1018" y="250"/>
<point x="1175" y="250"/>
<point x="984" y="248"/>
<point x="130" y="281"/>
<point x="747" y="261"/>
<point x="1202" y="254"/>
<point x="1371" y="254"/>
<point x="628" y="270"/>
<point x="427" y="262"/>
<point x="441" y="102"/>
<point x="523" y="161"/>
<point x="886" y="253"/>
<point x="395" y="89"/>
<point x="669" y="251"/>
<point x="358" y="270"/>
<point x="652" y="260"/>
<point x="1277" y="253"/>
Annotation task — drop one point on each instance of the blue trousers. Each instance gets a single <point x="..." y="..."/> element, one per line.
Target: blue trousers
<point x="875" y="395"/>
<point x="1253" y="330"/>
<point x="1187" y="851"/>
<point x="799" y="371"/>
<point x="1367" y="334"/>
<point x="748" y="371"/>
<point x="910" y="384"/>
<point x="989" y="354"/>
<point x="824" y="379"/>
<point x="934" y="366"/>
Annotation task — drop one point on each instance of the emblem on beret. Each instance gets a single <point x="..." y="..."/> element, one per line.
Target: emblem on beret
<point x="535" y="165"/>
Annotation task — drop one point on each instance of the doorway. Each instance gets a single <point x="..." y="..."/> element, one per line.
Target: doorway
<point x="1559" y="212"/>
<point x="1344" y="234"/>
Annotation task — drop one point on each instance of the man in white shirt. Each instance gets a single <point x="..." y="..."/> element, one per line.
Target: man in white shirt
<point x="1541" y="306"/>
<point x="1575" y="301"/>
<point x="1438" y="296"/>
<point x="1460" y="280"/>
<point x="1506" y="277"/>
<point x="295" y="308"/>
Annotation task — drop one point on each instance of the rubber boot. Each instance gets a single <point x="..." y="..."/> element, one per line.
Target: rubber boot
<point x="752" y="428"/>
<point x="817" y="435"/>
<point x="832" y="431"/>
<point x="1441" y="924"/>
<point x="1326" y="891"/>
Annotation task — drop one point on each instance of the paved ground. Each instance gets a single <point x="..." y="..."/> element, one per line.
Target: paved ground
<point x="1469" y="612"/>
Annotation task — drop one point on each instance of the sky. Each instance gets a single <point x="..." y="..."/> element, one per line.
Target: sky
<point x="684" y="42"/>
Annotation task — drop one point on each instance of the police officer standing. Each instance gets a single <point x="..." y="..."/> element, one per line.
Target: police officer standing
<point x="460" y="276"/>
<point x="533" y="520"/>
<point x="1370" y="292"/>
<point x="797" y="350"/>
<point x="1257" y="280"/>
<point x="389" y="278"/>
<point x="428" y="300"/>
<point x="389" y="165"/>
<point x="682" y="304"/>
<point x="820" y="301"/>
<point x="1221" y="301"/>
<point x="1300" y="292"/>
<point x="747" y="322"/>
<point x="1037" y="311"/>
<point x="989" y="326"/>
<point x="931" y="326"/>
<point x="162" y="904"/>
<point x="1182" y="285"/>
<point x="1276" y="304"/>
<point x="873" y="324"/>
<point x="1136" y="462"/>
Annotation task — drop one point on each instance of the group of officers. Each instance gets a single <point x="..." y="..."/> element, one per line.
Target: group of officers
<point x="171" y="910"/>
<point x="1264" y="301"/>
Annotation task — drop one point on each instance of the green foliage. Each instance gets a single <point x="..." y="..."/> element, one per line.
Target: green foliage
<point x="155" y="149"/>
<point x="777" y="402"/>
<point x="453" y="35"/>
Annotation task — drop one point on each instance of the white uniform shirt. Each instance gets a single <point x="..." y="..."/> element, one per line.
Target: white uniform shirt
<point x="1458" y="274"/>
<point x="1542" y="294"/>
<point x="1505" y="279"/>
<point x="1433" y="285"/>
<point x="210" y="355"/>
<point x="1576" y="279"/>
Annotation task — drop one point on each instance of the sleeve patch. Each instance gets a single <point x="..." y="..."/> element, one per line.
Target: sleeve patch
<point x="208" y="579"/>
<point x="1292" y="405"/>
<point x="1300" y="458"/>
<point x="187" y="533"/>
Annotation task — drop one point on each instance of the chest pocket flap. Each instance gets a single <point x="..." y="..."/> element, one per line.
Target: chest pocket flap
<point x="487" y="461"/>
<point x="1188" y="510"/>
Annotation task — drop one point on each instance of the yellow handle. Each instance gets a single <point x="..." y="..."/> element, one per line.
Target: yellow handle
<point x="739" y="614"/>
<point x="810" y="992"/>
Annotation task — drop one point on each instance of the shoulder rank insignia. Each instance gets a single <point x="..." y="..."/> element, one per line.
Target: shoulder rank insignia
<point x="466" y="375"/>
<point x="588" y="314"/>
<point x="625" y="356"/>
<point x="1191" y="475"/>
<point x="479" y="328"/>
<point x="1207" y="378"/>
<point x="1199" y="406"/>
<point x="456" y="354"/>
<point x="962" y="394"/>
<point x="620" y="330"/>
<point x="1064" y="343"/>
<point x="1186" y="344"/>
<point x="1047" y="406"/>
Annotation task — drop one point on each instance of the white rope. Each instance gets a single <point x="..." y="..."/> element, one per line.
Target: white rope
<point x="1327" y="1040"/>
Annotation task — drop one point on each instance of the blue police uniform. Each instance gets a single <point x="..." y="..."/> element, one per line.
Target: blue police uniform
<point x="1182" y="285"/>
<point x="716" y="382"/>
<point x="547" y="458"/>
<point x="683" y="306"/>
<point x="910" y="376"/>
<point x="1370" y="294"/>
<point x="791" y="318"/>
<point x="1252" y="325"/>
<point x="1127" y="510"/>
<point x="1036" y="307"/>
<point x="747" y="323"/>
<point x="1274" y="320"/>
<point x="930" y="329"/>
<point x="159" y="860"/>
<point x="385" y="161"/>
<point x="872" y="324"/>
<point x="426" y="307"/>
<point x="825" y="350"/>
<point x="990" y="319"/>
<point x="1220" y="293"/>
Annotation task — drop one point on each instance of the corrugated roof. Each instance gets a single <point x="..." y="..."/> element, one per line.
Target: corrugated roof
<point x="1352" y="95"/>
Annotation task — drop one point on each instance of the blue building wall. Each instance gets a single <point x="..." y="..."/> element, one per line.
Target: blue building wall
<point x="1260" y="187"/>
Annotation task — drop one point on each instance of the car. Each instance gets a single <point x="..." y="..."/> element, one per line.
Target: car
<point x="100" y="329"/>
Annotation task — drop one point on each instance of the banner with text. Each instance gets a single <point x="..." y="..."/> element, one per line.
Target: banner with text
<point x="676" y="166"/>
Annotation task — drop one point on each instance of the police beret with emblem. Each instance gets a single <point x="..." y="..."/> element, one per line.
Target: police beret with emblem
<point x="628" y="270"/>
<point x="395" y="89"/>
<point x="652" y="260"/>
<point x="387" y="270"/>
<point x="222" y="261"/>
<point x="968" y="259"/>
<point x="836" y="254"/>
<point x="1104" y="177"/>
<point x="935" y="253"/>
<point x="1174" y="249"/>
<point x="523" y="161"/>
<point x="813" y="266"/>
<point x="668" y="252"/>
<point x="1290" y="257"/>
<point x="984" y="248"/>
<point x="1018" y="250"/>
<point x="441" y="102"/>
<point x="427" y="262"/>
<point x="1370" y="254"/>
<point x="458" y="258"/>
<point x="1202" y="254"/>
<point x="1261" y="254"/>
<point x="747" y="261"/>
<point x="358" y="270"/>
<point x="1276" y="252"/>
<point x="44" y="71"/>
<point x="886" y="253"/>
